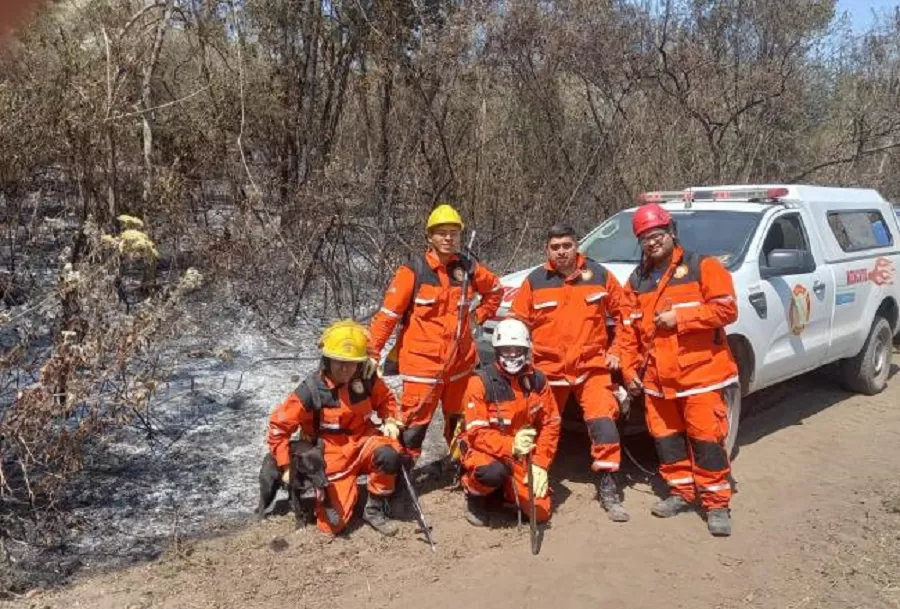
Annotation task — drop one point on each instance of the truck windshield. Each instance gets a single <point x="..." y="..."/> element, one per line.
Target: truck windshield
<point x="725" y="234"/>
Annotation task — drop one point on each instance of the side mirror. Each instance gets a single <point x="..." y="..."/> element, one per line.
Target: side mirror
<point x="786" y="262"/>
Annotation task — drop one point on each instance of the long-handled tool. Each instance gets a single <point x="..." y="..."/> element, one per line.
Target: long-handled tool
<point x="532" y="514"/>
<point x="420" y="515"/>
<point x="518" y="509"/>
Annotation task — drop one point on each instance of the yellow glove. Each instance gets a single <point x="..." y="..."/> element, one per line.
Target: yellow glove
<point x="286" y="476"/>
<point x="523" y="443"/>
<point x="369" y="368"/>
<point x="391" y="428"/>
<point x="540" y="480"/>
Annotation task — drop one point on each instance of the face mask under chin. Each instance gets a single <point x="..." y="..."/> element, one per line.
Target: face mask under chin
<point x="512" y="365"/>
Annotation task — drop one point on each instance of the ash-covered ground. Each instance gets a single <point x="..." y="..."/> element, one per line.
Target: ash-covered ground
<point x="191" y="467"/>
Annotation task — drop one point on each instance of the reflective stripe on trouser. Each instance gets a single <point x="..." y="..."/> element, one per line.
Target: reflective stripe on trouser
<point x="416" y="418"/>
<point x="483" y="474"/>
<point x="379" y="457"/>
<point x="689" y="433"/>
<point x="601" y="409"/>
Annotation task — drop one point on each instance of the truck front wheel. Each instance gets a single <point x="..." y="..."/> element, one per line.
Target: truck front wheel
<point x="868" y="371"/>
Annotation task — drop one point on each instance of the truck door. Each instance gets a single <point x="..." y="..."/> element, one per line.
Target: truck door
<point x="868" y="240"/>
<point x="793" y="300"/>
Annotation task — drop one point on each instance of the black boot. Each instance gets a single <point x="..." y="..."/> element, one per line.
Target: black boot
<point x="476" y="510"/>
<point x="609" y="498"/>
<point x="375" y="513"/>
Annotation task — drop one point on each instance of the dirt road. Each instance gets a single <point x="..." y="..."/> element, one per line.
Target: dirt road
<point x="816" y="524"/>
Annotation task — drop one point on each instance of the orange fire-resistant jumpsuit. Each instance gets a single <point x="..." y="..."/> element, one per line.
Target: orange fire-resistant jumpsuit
<point x="497" y="406"/>
<point x="425" y="296"/>
<point x="687" y="369"/>
<point x="352" y="443"/>
<point x="567" y="318"/>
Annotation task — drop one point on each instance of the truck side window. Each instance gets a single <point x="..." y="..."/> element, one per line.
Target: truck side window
<point x="786" y="233"/>
<point x="856" y="231"/>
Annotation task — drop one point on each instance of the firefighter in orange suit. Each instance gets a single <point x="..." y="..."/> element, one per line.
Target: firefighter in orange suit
<point x="675" y="349"/>
<point x="435" y="352"/>
<point x="566" y="303"/>
<point x="510" y="412"/>
<point x="356" y="427"/>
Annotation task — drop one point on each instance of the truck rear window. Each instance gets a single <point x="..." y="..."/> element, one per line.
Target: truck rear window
<point x="856" y="231"/>
<point x="725" y="234"/>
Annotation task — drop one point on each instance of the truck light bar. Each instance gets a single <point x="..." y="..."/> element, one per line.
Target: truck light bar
<point x="750" y="194"/>
<point x="757" y="195"/>
<point x="658" y="196"/>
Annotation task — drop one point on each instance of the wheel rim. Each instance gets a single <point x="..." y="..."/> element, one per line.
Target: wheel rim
<point x="734" y="418"/>
<point x="882" y="354"/>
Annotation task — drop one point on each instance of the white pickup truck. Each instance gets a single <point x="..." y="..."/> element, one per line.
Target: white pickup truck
<point x="814" y="269"/>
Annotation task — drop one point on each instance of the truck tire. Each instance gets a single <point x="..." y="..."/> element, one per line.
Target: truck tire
<point x="733" y="399"/>
<point x="868" y="371"/>
<point x="733" y="394"/>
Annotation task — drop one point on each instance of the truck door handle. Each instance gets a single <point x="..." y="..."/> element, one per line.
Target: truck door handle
<point x="758" y="300"/>
<point x="819" y="287"/>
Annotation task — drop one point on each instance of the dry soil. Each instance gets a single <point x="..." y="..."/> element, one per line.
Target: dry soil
<point x="816" y="525"/>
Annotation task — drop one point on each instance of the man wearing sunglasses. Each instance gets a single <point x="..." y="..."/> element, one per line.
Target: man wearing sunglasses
<point x="565" y="303"/>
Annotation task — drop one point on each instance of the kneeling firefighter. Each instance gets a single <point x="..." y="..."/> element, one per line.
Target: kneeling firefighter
<point x="349" y="412"/>
<point x="509" y="412"/>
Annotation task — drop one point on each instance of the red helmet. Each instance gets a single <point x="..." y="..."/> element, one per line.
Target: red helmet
<point x="649" y="216"/>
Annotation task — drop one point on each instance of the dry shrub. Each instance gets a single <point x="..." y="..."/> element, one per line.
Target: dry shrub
<point x="97" y="374"/>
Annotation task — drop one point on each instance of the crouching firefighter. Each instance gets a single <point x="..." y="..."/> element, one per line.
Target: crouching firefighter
<point x="675" y="350"/>
<point x="347" y="410"/>
<point x="509" y="412"/>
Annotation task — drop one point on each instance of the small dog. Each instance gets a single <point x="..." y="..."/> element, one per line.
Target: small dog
<point x="307" y="481"/>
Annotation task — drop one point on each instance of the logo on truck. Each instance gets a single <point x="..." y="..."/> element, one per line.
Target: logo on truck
<point x="509" y="294"/>
<point x="801" y="306"/>
<point x="881" y="274"/>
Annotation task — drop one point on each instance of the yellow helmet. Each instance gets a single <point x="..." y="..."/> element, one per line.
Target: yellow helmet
<point x="345" y="340"/>
<point x="444" y="214"/>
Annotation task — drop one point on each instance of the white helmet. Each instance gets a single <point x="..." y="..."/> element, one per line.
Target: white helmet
<point x="512" y="333"/>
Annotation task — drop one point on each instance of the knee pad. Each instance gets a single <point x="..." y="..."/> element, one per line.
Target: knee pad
<point x="672" y="449"/>
<point x="709" y="455"/>
<point x="387" y="459"/>
<point x="493" y="475"/>
<point x="603" y="431"/>
<point x="414" y="436"/>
